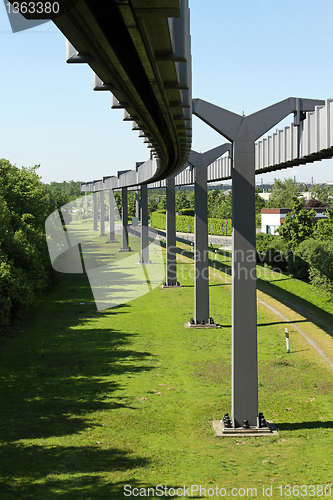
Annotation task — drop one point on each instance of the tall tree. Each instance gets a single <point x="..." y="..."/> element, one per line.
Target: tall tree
<point x="322" y="193"/>
<point x="131" y="203"/>
<point x="260" y="202"/>
<point x="298" y="224"/>
<point x="282" y="193"/>
<point x="324" y="227"/>
<point x="25" y="267"/>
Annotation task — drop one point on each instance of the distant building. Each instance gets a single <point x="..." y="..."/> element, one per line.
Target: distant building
<point x="304" y="194"/>
<point x="272" y="218"/>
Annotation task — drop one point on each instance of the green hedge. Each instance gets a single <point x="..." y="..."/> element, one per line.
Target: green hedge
<point x="217" y="226"/>
<point x="186" y="211"/>
<point x="158" y="221"/>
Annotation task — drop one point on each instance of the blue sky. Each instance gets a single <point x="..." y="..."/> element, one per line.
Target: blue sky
<point x="246" y="56"/>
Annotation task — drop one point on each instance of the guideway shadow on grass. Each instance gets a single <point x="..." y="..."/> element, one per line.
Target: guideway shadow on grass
<point x="122" y="279"/>
<point x="319" y="424"/>
<point x="300" y="305"/>
<point x="283" y="322"/>
<point x="64" y="384"/>
<point x="83" y="464"/>
<point x="310" y="311"/>
<point x="50" y="384"/>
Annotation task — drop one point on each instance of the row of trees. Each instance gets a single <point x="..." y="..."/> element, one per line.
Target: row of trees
<point x="219" y="203"/>
<point x="283" y="192"/>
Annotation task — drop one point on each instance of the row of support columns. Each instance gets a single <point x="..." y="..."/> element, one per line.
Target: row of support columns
<point x="200" y="163"/>
<point x="124" y="216"/>
<point x="244" y="380"/>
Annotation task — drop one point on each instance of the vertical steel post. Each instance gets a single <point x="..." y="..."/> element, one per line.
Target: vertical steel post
<point x="124" y="218"/>
<point x="244" y="301"/>
<point x="137" y="205"/>
<point x="171" y="255"/>
<point x="144" y="225"/>
<point x="111" y="216"/>
<point x="201" y="279"/>
<point x="95" y="212"/>
<point x="101" y="214"/>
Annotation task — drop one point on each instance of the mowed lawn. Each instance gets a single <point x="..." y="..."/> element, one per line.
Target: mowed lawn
<point x="93" y="401"/>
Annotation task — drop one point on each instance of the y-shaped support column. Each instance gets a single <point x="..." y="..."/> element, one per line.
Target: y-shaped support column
<point x="144" y="225"/>
<point x="201" y="278"/>
<point x="112" y="238"/>
<point x="243" y="131"/>
<point x="101" y="214"/>
<point x="95" y="212"/>
<point x="124" y="218"/>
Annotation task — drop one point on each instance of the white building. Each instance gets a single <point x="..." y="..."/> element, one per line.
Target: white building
<point x="272" y="218"/>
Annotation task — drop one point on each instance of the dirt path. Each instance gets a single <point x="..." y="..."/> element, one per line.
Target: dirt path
<point x="323" y="336"/>
<point x="306" y="337"/>
<point x="267" y="290"/>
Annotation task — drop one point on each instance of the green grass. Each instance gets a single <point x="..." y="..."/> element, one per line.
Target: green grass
<point x="93" y="401"/>
<point x="295" y="293"/>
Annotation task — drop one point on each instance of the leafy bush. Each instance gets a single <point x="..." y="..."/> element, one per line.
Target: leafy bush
<point x="25" y="268"/>
<point x="273" y="251"/>
<point x="321" y="266"/>
<point x="263" y="241"/>
<point x="300" y="260"/>
<point x="217" y="226"/>
<point x="297" y="225"/>
<point x="186" y="211"/>
<point x="324" y="227"/>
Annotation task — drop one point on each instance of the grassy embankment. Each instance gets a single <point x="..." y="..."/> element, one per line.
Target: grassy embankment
<point x="92" y="401"/>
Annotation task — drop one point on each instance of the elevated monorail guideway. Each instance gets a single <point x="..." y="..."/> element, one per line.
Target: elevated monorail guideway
<point x="307" y="139"/>
<point x="140" y="51"/>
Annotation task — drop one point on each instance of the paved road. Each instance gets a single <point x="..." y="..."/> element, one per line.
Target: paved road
<point x="185" y="237"/>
